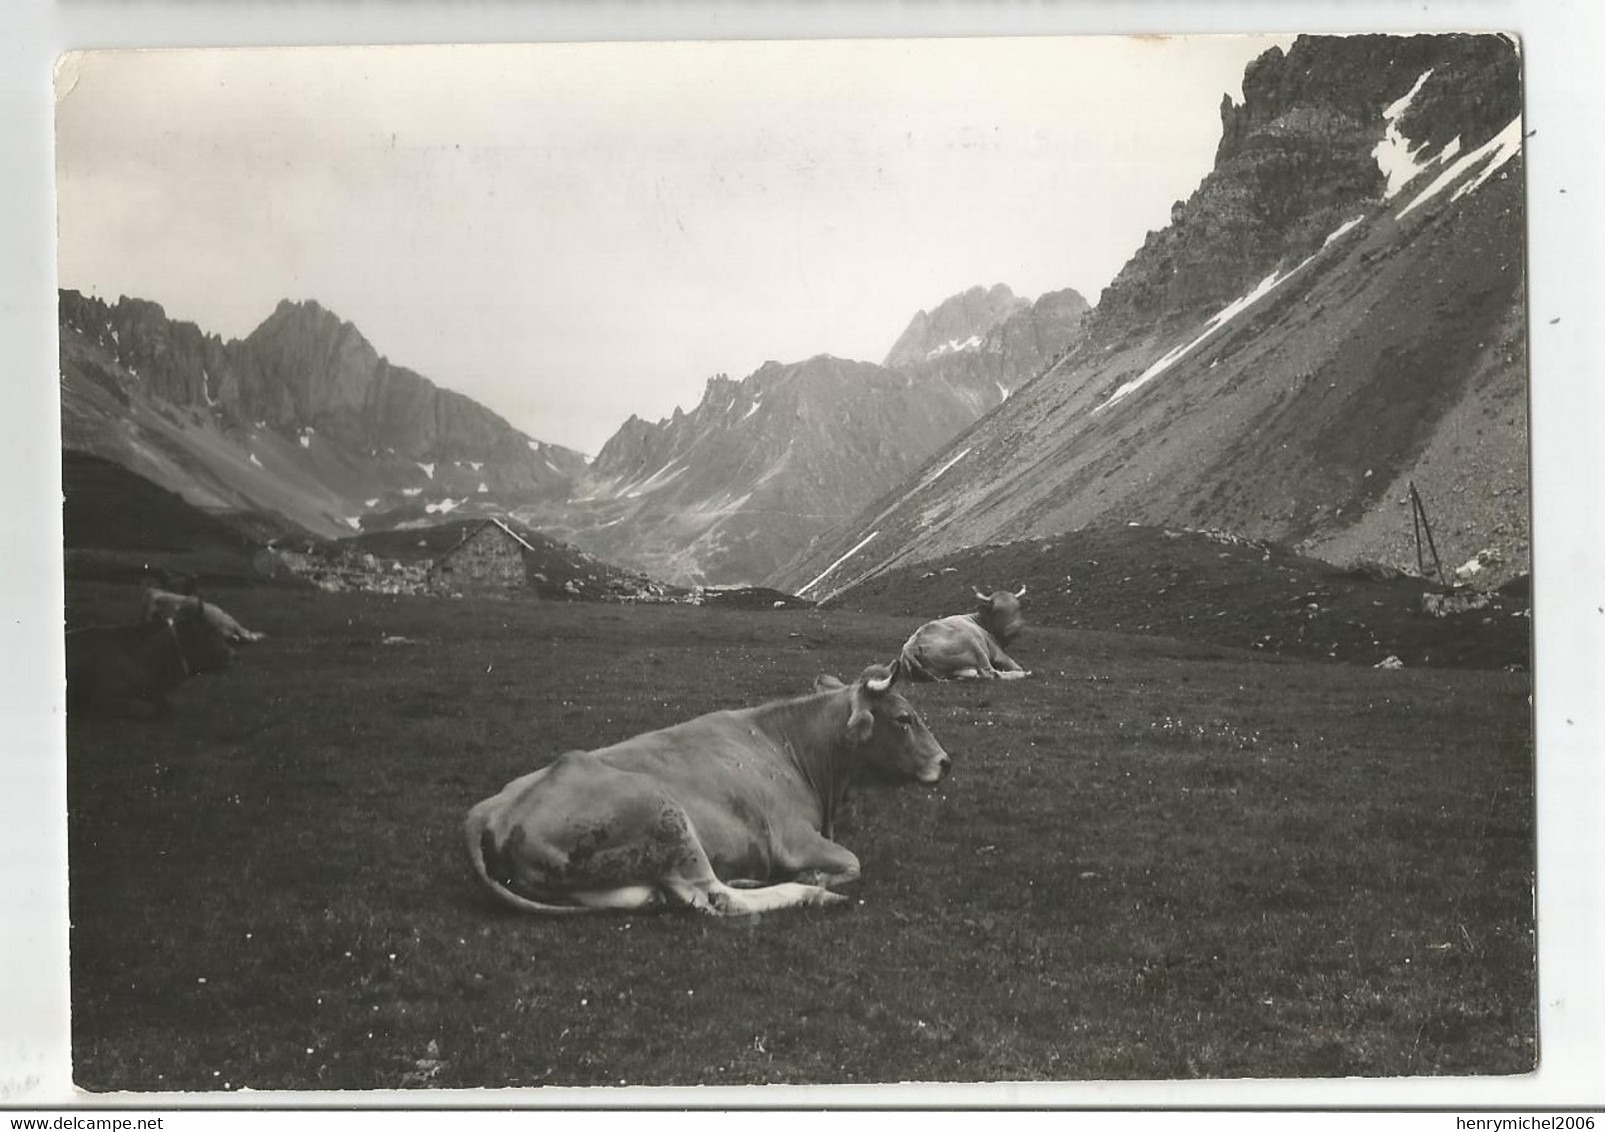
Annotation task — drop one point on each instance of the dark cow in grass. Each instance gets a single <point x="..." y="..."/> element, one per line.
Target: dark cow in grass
<point x="968" y="646"/>
<point x="730" y="813"/>
<point x="113" y="668"/>
<point x="163" y="603"/>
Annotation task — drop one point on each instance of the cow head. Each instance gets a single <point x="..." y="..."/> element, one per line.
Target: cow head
<point x="892" y="741"/>
<point x="999" y="614"/>
<point x="204" y="647"/>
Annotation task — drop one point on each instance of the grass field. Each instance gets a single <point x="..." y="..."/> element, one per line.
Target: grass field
<point x="1154" y="859"/>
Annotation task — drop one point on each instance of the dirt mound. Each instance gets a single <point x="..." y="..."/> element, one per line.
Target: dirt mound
<point x="1222" y="589"/>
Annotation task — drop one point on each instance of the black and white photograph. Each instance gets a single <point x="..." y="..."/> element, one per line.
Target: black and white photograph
<point x="797" y="562"/>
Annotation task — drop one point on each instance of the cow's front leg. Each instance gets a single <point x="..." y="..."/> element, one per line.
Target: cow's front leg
<point x="824" y="863"/>
<point x="1007" y="668"/>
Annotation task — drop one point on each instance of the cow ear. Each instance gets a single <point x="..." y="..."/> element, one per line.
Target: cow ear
<point x="860" y="725"/>
<point x="827" y="683"/>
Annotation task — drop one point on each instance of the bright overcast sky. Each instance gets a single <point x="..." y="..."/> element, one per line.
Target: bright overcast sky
<point x="574" y="233"/>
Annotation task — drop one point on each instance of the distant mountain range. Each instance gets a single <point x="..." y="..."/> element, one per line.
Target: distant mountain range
<point x="301" y="418"/>
<point x="733" y="489"/>
<point x="1336" y="313"/>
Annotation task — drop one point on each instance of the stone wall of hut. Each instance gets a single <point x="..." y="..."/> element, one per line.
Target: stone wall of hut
<point x="489" y="562"/>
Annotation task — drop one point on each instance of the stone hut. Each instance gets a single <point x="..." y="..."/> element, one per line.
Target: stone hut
<point x="490" y="559"/>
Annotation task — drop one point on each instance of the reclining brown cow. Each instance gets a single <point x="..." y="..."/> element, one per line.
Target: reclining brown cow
<point x="968" y="646"/>
<point x="728" y="813"/>
<point x="164" y="603"/>
<point x="111" y="668"/>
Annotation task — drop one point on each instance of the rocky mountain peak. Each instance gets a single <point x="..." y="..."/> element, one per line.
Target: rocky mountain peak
<point x="302" y="416"/>
<point x="1297" y="158"/>
<point x="959" y="322"/>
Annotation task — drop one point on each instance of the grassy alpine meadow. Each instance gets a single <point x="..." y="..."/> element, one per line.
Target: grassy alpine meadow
<point x="1154" y="859"/>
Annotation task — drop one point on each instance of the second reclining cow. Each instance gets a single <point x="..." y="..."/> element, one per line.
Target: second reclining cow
<point x="968" y="646"/>
<point x="157" y="602"/>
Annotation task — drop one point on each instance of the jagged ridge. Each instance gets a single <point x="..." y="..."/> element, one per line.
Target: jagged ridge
<point x="302" y="416"/>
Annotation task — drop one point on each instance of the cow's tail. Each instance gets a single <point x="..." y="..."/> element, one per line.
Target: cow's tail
<point x="483" y="853"/>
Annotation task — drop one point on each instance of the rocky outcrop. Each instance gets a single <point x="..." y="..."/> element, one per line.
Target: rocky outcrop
<point x="1296" y="159"/>
<point x="172" y="361"/>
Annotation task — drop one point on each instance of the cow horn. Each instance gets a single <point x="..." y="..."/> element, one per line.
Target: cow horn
<point x="979" y="594"/>
<point x="1020" y="592"/>
<point x="879" y="684"/>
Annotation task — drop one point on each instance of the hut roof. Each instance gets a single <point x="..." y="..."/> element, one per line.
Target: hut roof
<point x="503" y="527"/>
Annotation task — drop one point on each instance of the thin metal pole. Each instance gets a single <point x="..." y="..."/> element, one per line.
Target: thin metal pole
<point x="1431" y="545"/>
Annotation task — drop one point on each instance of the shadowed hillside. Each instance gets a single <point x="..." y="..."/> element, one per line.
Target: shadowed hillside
<point x="118" y="524"/>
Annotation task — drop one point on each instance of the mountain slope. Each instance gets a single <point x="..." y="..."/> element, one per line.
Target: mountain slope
<point x="302" y="417"/>
<point x="1336" y="312"/>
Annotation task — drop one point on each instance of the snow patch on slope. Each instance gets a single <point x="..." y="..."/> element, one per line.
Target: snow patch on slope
<point x="954" y="346"/>
<point x="936" y="475"/>
<point x="1507" y="144"/>
<point x="1237" y="307"/>
<point x="1394" y="154"/>
<point x="826" y="572"/>
<point x="1342" y="228"/>
<point x="1496" y="151"/>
